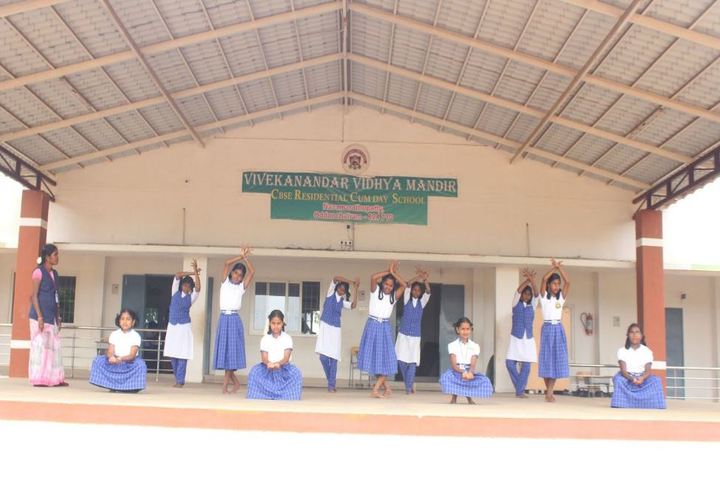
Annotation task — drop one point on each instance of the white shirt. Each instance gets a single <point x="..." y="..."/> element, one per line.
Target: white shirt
<point x="331" y="292"/>
<point x="275" y="347"/>
<point x="380" y="308"/>
<point x="635" y="360"/>
<point x="463" y="351"/>
<point x="124" y="341"/>
<point x="533" y="301"/>
<point x="552" y="309"/>
<point x="423" y="300"/>
<point x="231" y="295"/>
<point x="176" y="287"/>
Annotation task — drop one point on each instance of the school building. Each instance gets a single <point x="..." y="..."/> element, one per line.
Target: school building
<point x="499" y="134"/>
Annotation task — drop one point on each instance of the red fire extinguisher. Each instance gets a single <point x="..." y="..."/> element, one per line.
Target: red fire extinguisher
<point x="587" y="320"/>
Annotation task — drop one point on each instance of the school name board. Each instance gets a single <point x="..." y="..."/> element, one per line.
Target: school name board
<point x="347" y="198"/>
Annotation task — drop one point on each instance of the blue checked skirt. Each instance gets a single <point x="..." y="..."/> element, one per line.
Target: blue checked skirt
<point x="649" y="394"/>
<point x="124" y="376"/>
<point x="553" y="358"/>
<point x="282" y="384"/>
<point x="453" y="384"/>
<point x="229" y="343"/>
<point x="376" y="354"/>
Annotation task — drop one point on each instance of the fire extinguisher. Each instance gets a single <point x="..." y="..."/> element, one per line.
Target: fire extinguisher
<point x="587" y="321"/>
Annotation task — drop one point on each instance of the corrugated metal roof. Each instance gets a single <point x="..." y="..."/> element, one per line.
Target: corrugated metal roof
<point x="518" y="40"/>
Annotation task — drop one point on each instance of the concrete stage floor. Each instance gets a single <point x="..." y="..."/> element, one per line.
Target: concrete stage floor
<point x="354" y="411"/>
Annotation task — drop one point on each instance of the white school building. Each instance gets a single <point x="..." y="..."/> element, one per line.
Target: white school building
<point x="446" y="90"/>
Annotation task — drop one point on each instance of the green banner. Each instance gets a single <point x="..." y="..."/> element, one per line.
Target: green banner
<point x="347" y="198"/>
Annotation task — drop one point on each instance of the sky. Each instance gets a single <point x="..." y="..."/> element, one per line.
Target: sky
<point x="690" y="226"/>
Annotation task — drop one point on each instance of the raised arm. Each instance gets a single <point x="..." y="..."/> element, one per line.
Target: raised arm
<point x="375" y="279"/>
<point x="340" y="279"/>
<point x="543" y="284"/>
<point x="403" y="284"/>
<point x="356" y="286"/>
<point x="563" y="275"/>
<point x="250" y="269"/>
<point x="232" y="261"/>
<point x="196" y="271"/>
<point x="426" y="281"/>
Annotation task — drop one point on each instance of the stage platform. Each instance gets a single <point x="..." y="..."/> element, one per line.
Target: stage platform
<point x="354" y="411"/>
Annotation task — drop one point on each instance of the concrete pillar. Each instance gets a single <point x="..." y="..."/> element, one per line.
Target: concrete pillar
<point x="506" y="283"/>
<point x="198" y="315"/>
<point x="651" y="282"/>
<point x="31" y="238"/>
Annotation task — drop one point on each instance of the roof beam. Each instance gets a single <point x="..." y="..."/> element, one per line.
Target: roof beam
<point x="496" y="139"/>
<point x="682" y="182"/>
<point x="517" y="107"/>
<point x="148" y="102"/>
<point x="26" y="6"/>
<point x="650" y="22"/>
<point x="578" y="78"/>
<point x="25" y="173"/>
<point x="543" y="64"/>
<point x="170" y="45"/>
<point x="183" y="133"/>
<point x="150" y="71"/>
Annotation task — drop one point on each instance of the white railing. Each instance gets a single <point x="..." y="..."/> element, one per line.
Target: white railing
<point x="80" y="346"/>
<point x="683" y="383"/>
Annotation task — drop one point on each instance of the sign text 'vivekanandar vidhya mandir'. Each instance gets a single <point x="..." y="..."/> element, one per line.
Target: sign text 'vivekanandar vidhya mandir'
<point x="347" y="198"/>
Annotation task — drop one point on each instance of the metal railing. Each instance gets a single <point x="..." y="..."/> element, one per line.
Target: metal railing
<point x="81" y="343"/>
<point x="679" y="379"/>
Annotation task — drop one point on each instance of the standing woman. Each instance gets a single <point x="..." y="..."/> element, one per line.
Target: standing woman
<point x="46" y="369"/>
<point x="230" y="337"/>
<point x="376" y="355"/>
<point x="553" y="358"/>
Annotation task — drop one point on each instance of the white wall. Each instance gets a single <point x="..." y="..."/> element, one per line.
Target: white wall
<point x="140" y="200"/>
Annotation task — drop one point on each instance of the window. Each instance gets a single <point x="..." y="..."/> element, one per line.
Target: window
<point x="299" y="301"/>
<point x="66" y="292"/>
<point x="311" y="307"/>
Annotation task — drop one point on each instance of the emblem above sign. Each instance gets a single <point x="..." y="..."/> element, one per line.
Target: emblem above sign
<point x="355" y="159"/>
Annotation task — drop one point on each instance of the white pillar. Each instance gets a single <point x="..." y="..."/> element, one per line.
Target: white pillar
<point x="198" y="314"/>
<point x="506" y="282"/>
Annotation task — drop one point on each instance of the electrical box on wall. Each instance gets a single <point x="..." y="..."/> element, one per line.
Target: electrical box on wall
<point x="616" y="321"/>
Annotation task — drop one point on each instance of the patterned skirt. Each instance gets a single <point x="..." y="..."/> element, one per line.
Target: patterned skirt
<point x="648" y="394"/>
<point x="376" y="354"/>
<point x="126" y="376"/>
<point x="45" y="366"/>
<point x="229" y="343"/>
<point x="453" y="384"/>
<point x="282" y="384"/>
<point x="553" y="361"/>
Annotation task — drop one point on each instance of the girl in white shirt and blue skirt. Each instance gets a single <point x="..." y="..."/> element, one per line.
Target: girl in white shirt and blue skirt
<point x="230" y="337"/>
<point x="275" y="378"/>
<point x="121" y="370"/>
<point x="634" y="386"/>
<point x="461" y="378"/>
<point x="376" y="354"/>
<point x="553" y="358"/>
